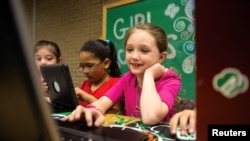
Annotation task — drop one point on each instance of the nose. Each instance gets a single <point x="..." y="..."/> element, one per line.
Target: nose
<point x="135" y="55"/>
<point x="85" y="70"/>
<point x="43" y="62"/>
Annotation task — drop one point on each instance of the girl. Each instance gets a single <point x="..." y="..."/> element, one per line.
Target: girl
<point x="46" y="53"/>
<point x="98" y="62"/>
<point x="149" y="89"/>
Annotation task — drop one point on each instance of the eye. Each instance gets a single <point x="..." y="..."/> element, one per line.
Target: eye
<point x="49" y="59"/>
<point x="89" y="65"/>
<point x="37" y="58"/>
<point x="129" y="49"/>
<point x="144" y="50"/>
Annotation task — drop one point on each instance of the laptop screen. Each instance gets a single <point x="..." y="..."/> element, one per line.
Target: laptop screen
<point x="25" y="115"/>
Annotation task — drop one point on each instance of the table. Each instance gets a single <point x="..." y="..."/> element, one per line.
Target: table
<point x="155" y="132"/>
<point x="111" y="119"/>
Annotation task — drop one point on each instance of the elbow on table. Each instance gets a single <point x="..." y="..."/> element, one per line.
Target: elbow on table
<point x="150" y="119"/>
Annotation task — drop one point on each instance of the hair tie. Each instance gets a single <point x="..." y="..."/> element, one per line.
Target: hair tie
<point x="107" y="41"/>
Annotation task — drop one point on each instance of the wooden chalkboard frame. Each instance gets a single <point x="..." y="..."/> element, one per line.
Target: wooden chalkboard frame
<point x="105" y="9"/>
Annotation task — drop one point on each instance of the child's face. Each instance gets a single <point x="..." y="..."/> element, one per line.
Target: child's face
<point x="92" y="67"/>
<point x="44" y="56"/>
<point x="141" y="51"/>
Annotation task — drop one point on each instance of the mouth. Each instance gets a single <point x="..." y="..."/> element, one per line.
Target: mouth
<point x="135" y="64"/>
<point x="88" y="76"/>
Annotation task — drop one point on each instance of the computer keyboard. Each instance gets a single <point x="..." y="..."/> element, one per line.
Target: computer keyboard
<point x="68" y="134"/>
<point x="76" y="131"/>
<point x="79" y="131"/>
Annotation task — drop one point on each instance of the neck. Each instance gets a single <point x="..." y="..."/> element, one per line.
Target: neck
<point x="139" y="79"/>
<point x="97" y="84"/>
<point x="139" y="82"/>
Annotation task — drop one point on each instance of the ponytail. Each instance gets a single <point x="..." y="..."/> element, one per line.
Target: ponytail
<point x="114" y="69"/>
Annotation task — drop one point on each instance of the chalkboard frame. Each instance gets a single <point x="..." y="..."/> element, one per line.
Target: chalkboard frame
<point x="105" y="9"/>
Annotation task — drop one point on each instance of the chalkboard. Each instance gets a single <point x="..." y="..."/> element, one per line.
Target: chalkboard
<point x="176" y="17"/>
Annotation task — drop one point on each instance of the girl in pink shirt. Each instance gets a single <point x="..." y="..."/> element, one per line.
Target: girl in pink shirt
<point x="148" y="89"/>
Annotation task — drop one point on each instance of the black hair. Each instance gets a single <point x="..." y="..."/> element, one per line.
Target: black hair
<point x="102" y="50"/>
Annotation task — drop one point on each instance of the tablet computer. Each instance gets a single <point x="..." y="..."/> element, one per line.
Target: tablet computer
<point x="61" y="90"/>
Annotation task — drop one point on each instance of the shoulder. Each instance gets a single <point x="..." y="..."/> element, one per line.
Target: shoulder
<point x="171" y="73"/>
<point x="127" y="78"/>
<point x="128" y="75"/>
<point x="170" y="76"/>
<point x="114" y="79"/>
<point x="86" y="82"/>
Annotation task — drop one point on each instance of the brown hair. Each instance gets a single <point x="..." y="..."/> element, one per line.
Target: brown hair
<point x="53" y="47"/>
<point x="157" y="32"/>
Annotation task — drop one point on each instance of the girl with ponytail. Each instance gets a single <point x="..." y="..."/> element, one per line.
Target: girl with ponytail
<point x="98" y="63"/>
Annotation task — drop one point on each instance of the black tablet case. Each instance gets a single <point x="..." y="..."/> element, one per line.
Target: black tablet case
<point x="61" y="89"/>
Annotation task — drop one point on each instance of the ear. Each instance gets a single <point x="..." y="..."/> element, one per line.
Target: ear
<point x="163" y="56"/>
<point x="60" y="60"/>
<point x="106" y="63"/>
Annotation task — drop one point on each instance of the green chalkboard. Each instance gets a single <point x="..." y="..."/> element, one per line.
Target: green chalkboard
<point x="176" y="17"/>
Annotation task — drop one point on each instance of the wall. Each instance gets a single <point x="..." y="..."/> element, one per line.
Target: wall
<point x="68" y="23"/>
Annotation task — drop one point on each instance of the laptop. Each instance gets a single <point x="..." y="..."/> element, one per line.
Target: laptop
<point x="61" y="90"/>
<point x="25" y="114"/>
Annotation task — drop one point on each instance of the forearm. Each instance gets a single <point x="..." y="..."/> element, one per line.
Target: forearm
<point x="103" y="104"/>
<point x="87" y="97"/>
<point x="153" y="109"/>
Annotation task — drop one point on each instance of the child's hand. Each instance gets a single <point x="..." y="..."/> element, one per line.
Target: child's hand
<point x="75" y="115"/>
<point x="92" y="116"/>
<point x="82" y="95"/>
<point x="186" y="119"/>
<point x="44" y="86"/>
<point x="156" y="70"/>
<point x="79" y="92"/>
